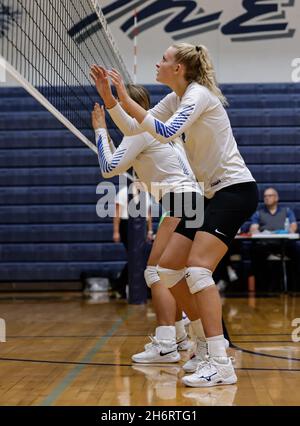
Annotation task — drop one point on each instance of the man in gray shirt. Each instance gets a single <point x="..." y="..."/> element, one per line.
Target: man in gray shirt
<point x="272" y="217"/>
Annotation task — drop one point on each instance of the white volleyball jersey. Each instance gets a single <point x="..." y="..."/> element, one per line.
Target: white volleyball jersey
<point x="209" y="142"/>
<point x="163" y="168"/>
<point x="122" y="200"/>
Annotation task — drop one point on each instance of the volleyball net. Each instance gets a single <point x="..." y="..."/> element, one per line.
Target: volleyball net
<point x="49" y="46"/>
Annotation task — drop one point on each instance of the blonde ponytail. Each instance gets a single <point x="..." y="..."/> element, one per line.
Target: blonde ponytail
<point x="199" y="67"/>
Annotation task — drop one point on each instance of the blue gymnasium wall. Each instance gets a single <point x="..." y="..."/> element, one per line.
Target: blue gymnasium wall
<point x="49" y="230"/>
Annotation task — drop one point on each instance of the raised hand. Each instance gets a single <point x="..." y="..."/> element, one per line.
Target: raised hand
<point x="101" y="79"/>
<point x="98" y="117"/>
<point x="119" y="85"/>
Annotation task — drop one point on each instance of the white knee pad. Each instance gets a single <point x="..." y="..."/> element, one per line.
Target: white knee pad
<point x="151" y="275"/>
<point x="198" y="278"/>
<point x="170" y="277"/>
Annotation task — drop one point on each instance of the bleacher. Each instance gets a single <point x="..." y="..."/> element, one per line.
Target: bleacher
<point x="49" y="229"/>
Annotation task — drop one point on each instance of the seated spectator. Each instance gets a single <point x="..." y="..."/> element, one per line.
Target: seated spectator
<point x="272" y="217"/>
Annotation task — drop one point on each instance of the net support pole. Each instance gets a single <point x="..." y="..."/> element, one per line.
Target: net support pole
<point x="137" y="260"/>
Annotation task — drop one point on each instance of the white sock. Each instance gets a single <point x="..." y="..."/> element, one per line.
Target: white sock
<point x="180" y="330"/>
<point x="197" y="330"/>
<point x="216" y="347"/>
<point x="166" y="332"/>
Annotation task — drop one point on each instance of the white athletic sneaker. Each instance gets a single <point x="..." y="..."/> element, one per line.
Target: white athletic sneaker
<point x="211" y="373"/>
<point x="158" y="351"/>
<point x="199" y="355"/>
<point x="184" y="344"/>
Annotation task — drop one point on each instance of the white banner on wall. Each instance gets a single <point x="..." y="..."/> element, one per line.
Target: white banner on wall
<point x="249" y="40"/>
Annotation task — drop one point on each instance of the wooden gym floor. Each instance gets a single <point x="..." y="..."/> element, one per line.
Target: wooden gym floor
<point x="63" y="349"/>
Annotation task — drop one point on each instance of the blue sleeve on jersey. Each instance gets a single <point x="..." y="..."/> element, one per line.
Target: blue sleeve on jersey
<point x="105" y="166"/>
<point x="170" y="129"/>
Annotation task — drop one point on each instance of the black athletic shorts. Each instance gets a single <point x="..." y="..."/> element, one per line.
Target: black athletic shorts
<point x="189" y="206"/>
<point x="225" y="212"/>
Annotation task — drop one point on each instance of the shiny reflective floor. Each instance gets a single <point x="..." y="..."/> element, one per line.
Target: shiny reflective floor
<point x="63" y="349"/>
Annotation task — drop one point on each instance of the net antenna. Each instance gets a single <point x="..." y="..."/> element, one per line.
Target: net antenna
<point x="135" y="46"/>
<point x="49" y="46"/>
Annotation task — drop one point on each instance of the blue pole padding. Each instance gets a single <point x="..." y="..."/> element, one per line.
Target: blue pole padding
<point x="137" y="260"/>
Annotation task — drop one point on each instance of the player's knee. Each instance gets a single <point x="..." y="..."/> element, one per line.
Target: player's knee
<point x="170" y="277"/>
<point x="151" y="275"/>
<point x="198" y="278"/>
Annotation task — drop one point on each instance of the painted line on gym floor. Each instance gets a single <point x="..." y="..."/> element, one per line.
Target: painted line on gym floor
<point x="262" y="334"/>
<point x="77" y="336"/>
<point x="265" y="341"/>
<point x="55" y="394"/>
<point x="98" y="364"/>
<point x="267" y="369"/>
<point x="46" y="361"/>
<point x="233" y="346"/>
<point x="265" y="355"/>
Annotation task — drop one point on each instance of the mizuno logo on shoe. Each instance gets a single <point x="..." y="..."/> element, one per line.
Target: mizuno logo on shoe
<point x="208" y="378"/>
<point x="187" y="275"/>
<point x="166" y="353"/>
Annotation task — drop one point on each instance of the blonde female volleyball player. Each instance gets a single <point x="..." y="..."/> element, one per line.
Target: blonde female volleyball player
<point x="196" y="108"/>
<point x="167" y="175"/>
